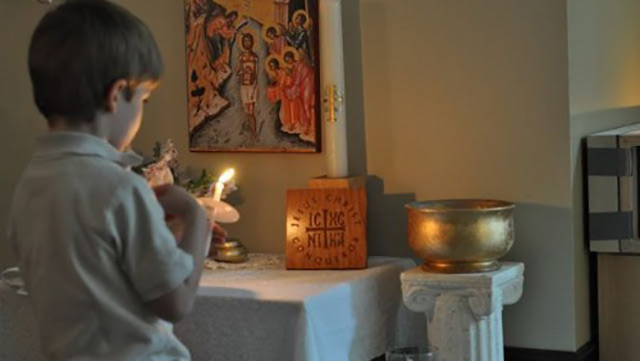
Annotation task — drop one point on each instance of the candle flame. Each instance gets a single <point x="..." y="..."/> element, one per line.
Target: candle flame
<point x="227" y="175"/>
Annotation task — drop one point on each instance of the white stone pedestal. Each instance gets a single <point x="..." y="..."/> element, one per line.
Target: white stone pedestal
<point x="464" y="311"/>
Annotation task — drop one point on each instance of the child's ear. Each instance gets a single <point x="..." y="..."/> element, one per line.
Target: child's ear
<point x="113" y="94"/>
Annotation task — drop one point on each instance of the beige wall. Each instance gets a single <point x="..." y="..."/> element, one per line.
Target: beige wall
<point x="604" y="73"/>
<point x="470" y="99"/>
<point x="19" y="120"/>
<point x="461" y="98"/>
<point x="604" y="54"/>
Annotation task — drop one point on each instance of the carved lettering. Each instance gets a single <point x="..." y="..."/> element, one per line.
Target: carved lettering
<point x="336" y="239"/>
<point x="321" y="231"/>
<point x="315" y="219"/>
<point x="312" y="240"/>
<point x="336" y="219"/>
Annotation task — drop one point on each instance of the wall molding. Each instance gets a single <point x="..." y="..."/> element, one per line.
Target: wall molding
<point x="588" y="352"/>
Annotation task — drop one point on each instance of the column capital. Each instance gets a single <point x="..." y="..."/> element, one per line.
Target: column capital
<point x="485" y="293"/>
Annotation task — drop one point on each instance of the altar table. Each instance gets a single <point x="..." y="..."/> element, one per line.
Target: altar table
<point x="259" y="311"/>
<point x="267" y="313"/>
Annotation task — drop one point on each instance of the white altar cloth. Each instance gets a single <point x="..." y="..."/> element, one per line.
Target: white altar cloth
<point x="272" y="314"/>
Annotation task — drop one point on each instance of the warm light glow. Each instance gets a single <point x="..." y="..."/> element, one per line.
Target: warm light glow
<point x="219" y="185"/>
<point x="227" y="175"/>
<point x="431" y="229"/>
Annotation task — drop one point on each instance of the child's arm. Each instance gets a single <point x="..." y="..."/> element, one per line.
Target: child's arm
<point x="176" y="201"/>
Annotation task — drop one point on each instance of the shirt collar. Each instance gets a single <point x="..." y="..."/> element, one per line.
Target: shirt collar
<point x="74" y="143"/>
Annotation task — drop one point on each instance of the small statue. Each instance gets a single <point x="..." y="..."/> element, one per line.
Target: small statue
<point x="159" y="172"/>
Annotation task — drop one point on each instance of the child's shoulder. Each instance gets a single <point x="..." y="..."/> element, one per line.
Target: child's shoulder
<point x="115" y="179"/>
<point x="105" y="173"/>
<point x="103" y="181"/>
<point x="115" y="191"/>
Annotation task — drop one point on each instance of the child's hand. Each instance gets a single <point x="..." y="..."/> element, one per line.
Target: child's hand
<point x="219" y="234"/>
<point x="176" y="201"/>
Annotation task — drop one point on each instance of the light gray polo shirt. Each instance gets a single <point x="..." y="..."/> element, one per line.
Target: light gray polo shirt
<point x="93" y="246"/>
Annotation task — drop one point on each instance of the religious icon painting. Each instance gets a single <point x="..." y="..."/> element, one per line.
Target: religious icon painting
<point x="253" y="75"/>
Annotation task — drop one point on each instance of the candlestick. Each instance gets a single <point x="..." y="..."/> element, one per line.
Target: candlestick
<point x="212" y="207"/>
<point x="332" y="81"/>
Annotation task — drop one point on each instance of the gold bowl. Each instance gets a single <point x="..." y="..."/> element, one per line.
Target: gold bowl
<point x="231" y="250"/>
<point x="460" y="235"/>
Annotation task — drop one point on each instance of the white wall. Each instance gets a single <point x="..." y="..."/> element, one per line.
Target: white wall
<point x="604" y="84"/>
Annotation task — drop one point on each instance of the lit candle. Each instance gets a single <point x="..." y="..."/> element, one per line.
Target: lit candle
<point x="212" y="208"/>
<point x="219" y="186"/>
<point x="332" y="81"/>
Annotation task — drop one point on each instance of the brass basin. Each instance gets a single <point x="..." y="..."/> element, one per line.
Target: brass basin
<point x="460" y="235"/>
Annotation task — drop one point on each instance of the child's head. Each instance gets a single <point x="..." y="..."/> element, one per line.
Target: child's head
<point x="85" y="55"/>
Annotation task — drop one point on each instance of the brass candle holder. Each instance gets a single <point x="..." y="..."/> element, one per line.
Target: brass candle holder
<point x="231" y="250"/>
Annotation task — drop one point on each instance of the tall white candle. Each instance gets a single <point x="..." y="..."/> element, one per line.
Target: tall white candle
<point x="332" y="63"/>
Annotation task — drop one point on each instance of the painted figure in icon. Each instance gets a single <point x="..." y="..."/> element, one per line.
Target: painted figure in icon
<point x="211" y="32"/>
<point x="222" y="31"/>
<point x="279" y="80"/>
<point x="300" y="93"/>
<point x="298" y="35"/>
<point x="276" y="41"/>
<point x="248" y="76"/>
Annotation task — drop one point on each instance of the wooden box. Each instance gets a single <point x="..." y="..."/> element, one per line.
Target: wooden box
<point x="326" y="225"/>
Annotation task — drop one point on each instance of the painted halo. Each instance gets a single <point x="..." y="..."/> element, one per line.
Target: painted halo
<point x="268" y="26"/>
<point x="307" y="24"/>
<point x="268" y="59"/>
<point x="294" y="51"/>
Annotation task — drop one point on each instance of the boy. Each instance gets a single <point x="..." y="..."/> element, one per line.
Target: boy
<point x="102" y="269"/>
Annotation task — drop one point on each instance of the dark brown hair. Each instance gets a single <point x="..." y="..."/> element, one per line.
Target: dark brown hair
<point x="79" y="50"/>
